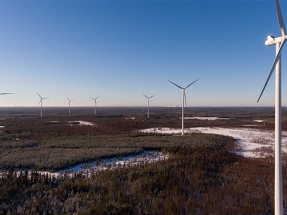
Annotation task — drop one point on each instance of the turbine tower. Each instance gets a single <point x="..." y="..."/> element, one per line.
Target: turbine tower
<point x="148" y="103"/>
<point x="41" y="98"/>
<point x="69" y="104"/>
<point x="95" y="108"/>
<point x="183" y="98"/>
<point x="279" y="42"/>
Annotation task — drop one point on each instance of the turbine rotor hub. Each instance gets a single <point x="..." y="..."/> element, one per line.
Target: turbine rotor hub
<point x="273" y="40"/>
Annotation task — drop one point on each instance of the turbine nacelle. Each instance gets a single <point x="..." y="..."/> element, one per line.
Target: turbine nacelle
<point x="271" y="40"/>
<point x="94" y="98"/>
<point x="147" y="96"/>
<point x="69" y="100"/>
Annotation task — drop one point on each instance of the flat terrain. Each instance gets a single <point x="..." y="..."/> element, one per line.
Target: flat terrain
<point x="59" y="140"/>
<point x="202" y="174"/>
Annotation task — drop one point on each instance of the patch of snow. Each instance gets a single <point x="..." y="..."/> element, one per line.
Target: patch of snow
<point x="162" y="130"/>
<point x="130" y="118"/>
<point x="206" y="118"/>
<point x="113" y="163"/>
<point x="83" y="123"/>
<point x="147" y="156"/>
<point x="258" y="120"/>
<point x="249" y="142"/>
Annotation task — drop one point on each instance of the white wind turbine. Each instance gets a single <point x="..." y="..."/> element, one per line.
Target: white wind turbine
<point x="183" y="98"/>
<point x="148" y="103"/>
<point x="41" y="98"/>
<point x="279" y="41"/>
<point x="95" y="108"/>
<point x="69" y="104"/>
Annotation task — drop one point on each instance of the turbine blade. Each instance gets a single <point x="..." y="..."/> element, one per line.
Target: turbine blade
<point x="152" y="96"/>
<point x="145" y="96"/>
<point x="191" y="83"/>
<point x="5" y="93"/>
<point x="272" y="69"/>
<point x="92" y="98"/>
<point x="39" y="95"/>
<point x="98" y="96"/>
<point x="280" y="18"/>
<point x="175" y="84"/>
<point x="40" y="101"/>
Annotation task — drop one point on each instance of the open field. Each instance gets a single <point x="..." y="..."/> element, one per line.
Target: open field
<point x="201" y="173"/>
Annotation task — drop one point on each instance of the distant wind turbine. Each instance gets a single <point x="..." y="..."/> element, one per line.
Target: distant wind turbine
<point x="95" y="108"/>
<point x="148" y="103"/>
<point x="183" y="99"/>
<point x="41" y="98"/>
<point x="279" y="41"/>
<point x="69" y="104"/>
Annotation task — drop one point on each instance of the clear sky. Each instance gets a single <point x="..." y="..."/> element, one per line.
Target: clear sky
<point x="121" y="49"/>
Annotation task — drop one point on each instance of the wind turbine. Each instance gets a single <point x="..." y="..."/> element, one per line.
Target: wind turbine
<point x="41" y="98"/>
<point x="279" y="41"/>
<point x="183" y="98"/>
<point x="69" y="104"/>
<point x="148" y="103"/>
<point x="95" y="108"/>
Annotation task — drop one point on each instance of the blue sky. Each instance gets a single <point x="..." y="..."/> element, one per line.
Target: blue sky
<point x="120" y="49"/>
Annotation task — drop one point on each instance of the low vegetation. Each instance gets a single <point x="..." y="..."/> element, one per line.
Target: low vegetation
<point x="201" y="175"/>
<point x="61" y="153"/>
<point x="194" y="180"/>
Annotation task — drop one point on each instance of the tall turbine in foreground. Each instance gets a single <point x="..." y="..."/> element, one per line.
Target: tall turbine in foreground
<point x="69" y="104"/>
<point x="279" y="41"/>
<point x="183" y="98"/>
<point x="148" y="103"/>
<point x="41" y="98"/>
<point x="95" y="108"/>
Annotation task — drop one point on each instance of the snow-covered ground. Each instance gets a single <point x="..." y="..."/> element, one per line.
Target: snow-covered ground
<point x="81" y="123"/>
<point x="249" y="142"/>
<point x="258" y="120"/>
<point x="146" y="156"/>
<point x="212" y="118"/>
